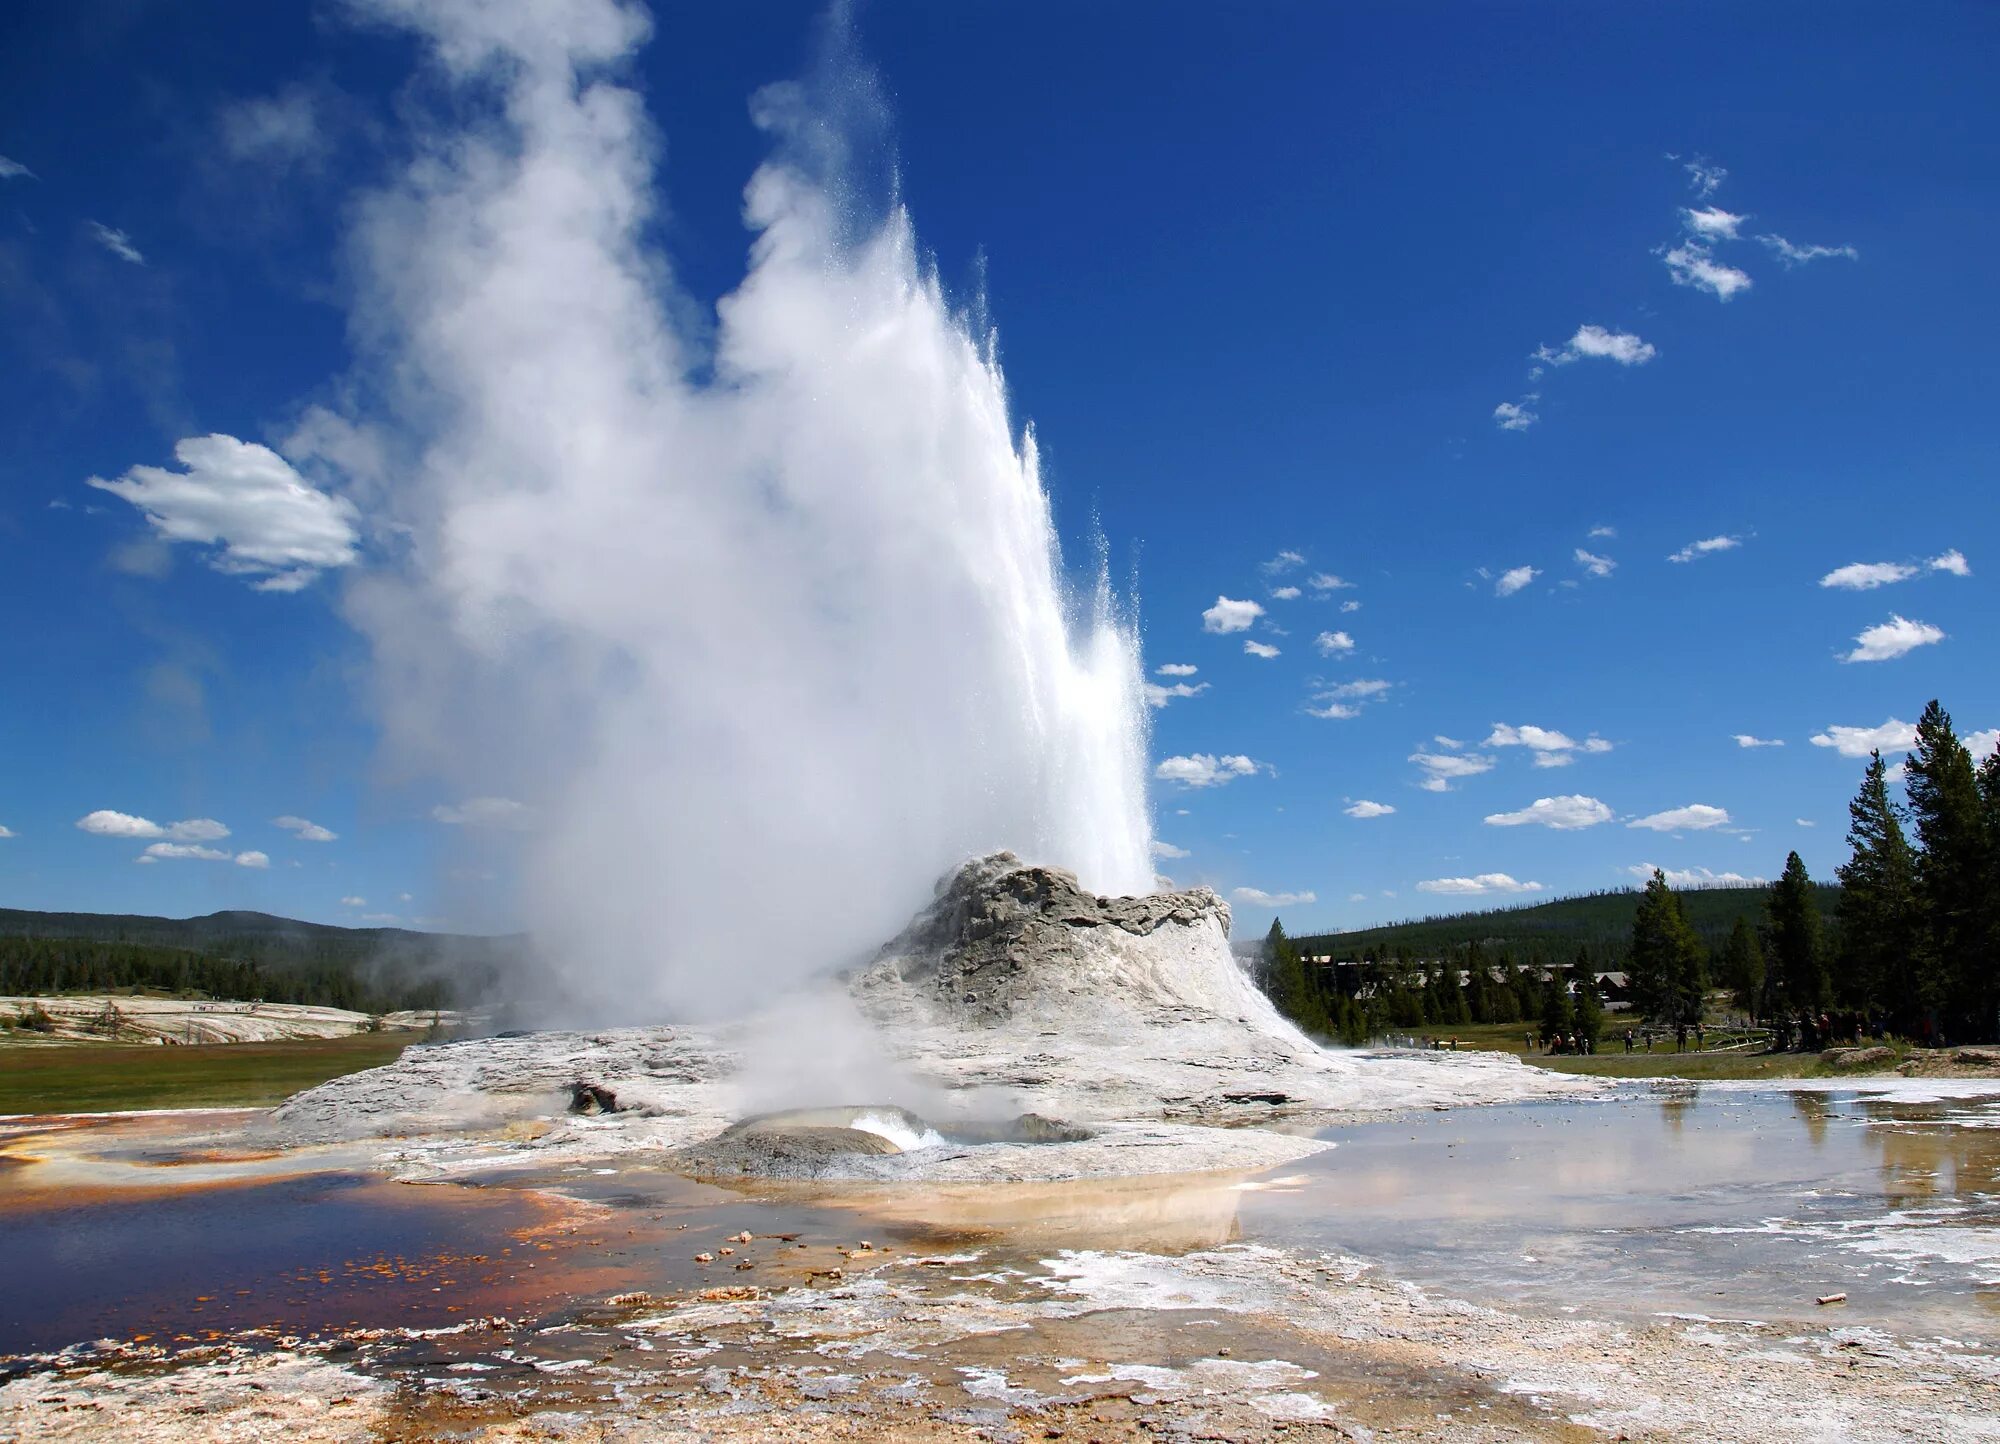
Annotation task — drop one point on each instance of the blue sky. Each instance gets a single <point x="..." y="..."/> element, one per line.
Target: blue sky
<point x="1263" y="282"/>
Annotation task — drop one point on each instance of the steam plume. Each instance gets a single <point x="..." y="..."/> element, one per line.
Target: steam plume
<point x="768" y="632"/>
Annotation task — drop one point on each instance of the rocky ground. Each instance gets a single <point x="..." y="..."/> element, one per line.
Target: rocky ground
<point x="106" y="1019"/>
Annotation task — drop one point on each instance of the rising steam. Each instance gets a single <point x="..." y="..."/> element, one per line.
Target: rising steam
<point x="766" y="628"/>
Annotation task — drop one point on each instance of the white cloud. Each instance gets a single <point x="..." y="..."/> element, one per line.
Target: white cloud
<point x="1364" y="687"/>
<point x="1805" y="822"/>
<point x="1891" y="736"/>
<point x="1696" y="817"/>
<point x="1363" y="808"/>
<point x="1514" y="416"/>
<point x="1452" y="742"/>
<point x="187" y="850"/>
<point x="1330" y="643"/>
<point x="1866" y="576"/>
<point x="1260" y="649"/>
<point x="252" y="859"/>
<point x="1982" y="744"/>
<point x="1744" y="739"/>
<point x="1357" y="897"/>
<point x="1512" y="580"/>
<point x="1952" y="561"/>
<point x="281" y="129"/>
<point x="1595" y="342"/>
<point x="1565" y="814"/>
<point x="6" y="831"/>
<point x="1328" y="582"/>
<point x="1483" y="885"/>
<point x="1335" y="711"/>
<point x="1705" y="178"/>
<point x="264" y="519"/>
<point x="1158" y="696"/>
<point x="1167" y="849"/>
<point x="1696" y="877"/>
<point x="1537" y="739"/>
<point x="1176" y="669"/>
<point x="1692" y="264"/>
<point x="354" y="902"/>
<point x="116" y="242"/>
<point x="1285" y="594"/>
<point x="106" y="823"/>
<point x="1793" y="255"/>
<point x="1596" y="565"/>
<point x="1707" y="546"/>
<point x="1257" y="897"/>
<point x="1441" y="770"/>
<point x="305" y="831"/>
<point x="1712" y="223"/>
<point x="1350" y="606"/>
<point x="491" y="812"/>
<point x="1284" y="561"/>
<point x="1891" y="639"/>
<point x="14" y="170"/>
<point x="1602" y="533"/>
<point x="1204" y="769"/>
<point x="1230" y="616"/>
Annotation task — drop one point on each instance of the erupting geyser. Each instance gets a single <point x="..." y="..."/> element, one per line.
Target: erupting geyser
<point x="748" y="635"/>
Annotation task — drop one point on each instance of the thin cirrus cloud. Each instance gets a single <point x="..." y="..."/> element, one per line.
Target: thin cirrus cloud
<point x="117" y="242"/>
<point x="1483" y="884"/>
<point x="1284" y="561"/>
<point x="14" y="170"/>
<point x="1866" y="576"/>
<point x="1364" y="809"/>
<point x="1791" y="255"/>
<point x="1205" y="769"/>
<point x="1707" y="546"/>
<point x="1891" y="736"/>
<point x="1564" y="814"/>
<point x="1894" y="638"/>
<point x="1441" y="769"/>
<point x="1513" y="580"/>
<point x="501" y="814"/>
<point x="1745" y="739"/>
<point x="1696" y="817"/>
<point x="1595" y="565"/>
<point x="261" y="519"/>
<point x="107" y="823"/>
<point x="1228" y="615"/>
<point x="303" y="830"/>
<point x="1257" y="897"/>
<point x="1328" y="582"/>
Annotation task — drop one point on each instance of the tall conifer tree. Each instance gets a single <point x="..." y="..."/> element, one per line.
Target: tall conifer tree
<point x="1952" y="871"/>
<point x="1879" y="920"/>
<point x="1795" y="966"/>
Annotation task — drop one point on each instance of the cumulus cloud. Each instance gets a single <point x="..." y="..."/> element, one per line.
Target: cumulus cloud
<point x="305" y="831"/>
<point x="1482" y="885"/>
<point x="1285" y="594"/>
<point x="1284" y="561"/>
<point x="1695" y="877"/>
<point x="1596" y="342"/>
<point x="1260" y="649"/>
<point x="1333" y="643"/>
<point x="1707" y="546"/>
<point x="1697" y="817"/>
<point x="1159" y="696"/>
<point x="1230" y="616"/>
<point x="1363" y="808"/>
<point x="1512" y="580"/>
<point x="497" y="813"/>
<point x="1792" y="255"/>
<point x="116" y="242"/>
<point x="1551" y="748"/>
<point x="1515" y="415"/>
<point x="1596" y="565"/>
<point x="1334" y="711"/>
<point x="252" y="858"/>
<point x="1564" y="814"/>
<point x="1257" y="897"/>
<point x="1176" y="669"/>
<point x="1442" y="769"/>
<point x="1982" y="744"/>
<point x="1693" y="264"/>
<point x="262" y="518"/>
<point x="1205" y="769"/>
<point x="1712" y="223"/>
<point x="1891" y="639"/>
<point x="1167" y="849"/>
<point x="106" y="823"/>
<point x="1328" y="582"/>
<point x="1891" y="736"/>
<point x="1745" y="739"/>
<point x="1350" y="606"/>
<point x="1866" y="576"/>
<point x="193" y="851"/>
<point x="1953" y="562"/>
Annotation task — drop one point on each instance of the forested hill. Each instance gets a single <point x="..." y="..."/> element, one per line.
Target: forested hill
<point x="1552" y="932"/>
<point x="244" y="955"/>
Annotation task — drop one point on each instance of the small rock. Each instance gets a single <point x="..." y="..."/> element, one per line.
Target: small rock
<point x="1833" y="1298"/>
<point x="704" y="1258"/>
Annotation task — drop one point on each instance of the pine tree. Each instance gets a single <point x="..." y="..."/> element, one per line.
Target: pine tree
<point x="1879" y="918"/>
<point x="1557" y="1016"/>
<point x="1796" y="978"/>
<point x="1952" y="872"/>
<point x="1743" y="966"/>
<point x="1588" y="1007"/>
<point x="1667" y="972"/>
<point x="1289" y="983"/>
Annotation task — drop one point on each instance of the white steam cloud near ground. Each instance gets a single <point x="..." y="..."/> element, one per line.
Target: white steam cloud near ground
<point x="765" y="629"/>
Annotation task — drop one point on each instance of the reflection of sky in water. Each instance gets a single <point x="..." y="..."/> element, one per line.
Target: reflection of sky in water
<point x="1723" y="1202"/>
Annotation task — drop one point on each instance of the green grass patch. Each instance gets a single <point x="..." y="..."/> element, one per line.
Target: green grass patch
<point x="1612" y="1061"/>
<point x="107" y="1078"/>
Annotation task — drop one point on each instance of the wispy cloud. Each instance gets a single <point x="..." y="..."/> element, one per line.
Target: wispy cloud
<point x="1205" y="769"/>
<point x="1596" y="342"/>
<point x="1160" y="696"/>
<point x="1705" y="177"/>
<point x="1167" y="849"/>
<point x="1594" y="564"/>
<point x="1328" y="582"/>
<point x="116" y="242"/>
<point x="496" y="813"/>
<point x="1708" y="546"/>
<point x="1513" y="579"/>
<point x="1228" y="615"/>
<point x="1693" y="264"/>
<point x="1257" y="897"/>
<point x="1564" y="814"/>
<point x="1364" y="809"/>
<point x="1260" y="649"/>
<point x="1888" y="640"/>
<point x="1515" y="415"/>
<point x="14" y="170"/>
<point x="1441" y="769"/>
<point x="1694" y="877"/>
<point x="1284" y="561"/>
<point x="1482" y="885"/>
<point x="1697" y="817"/>
<point x="1952" y="562"/>
<point x="1602" y="533"/>
<point x="1712" y="223"/>
<point x="1744" y="739"/>
<point x="1333" y="644"/>
<point x="303" y="830"/>
<point x="1792" y="255"/>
